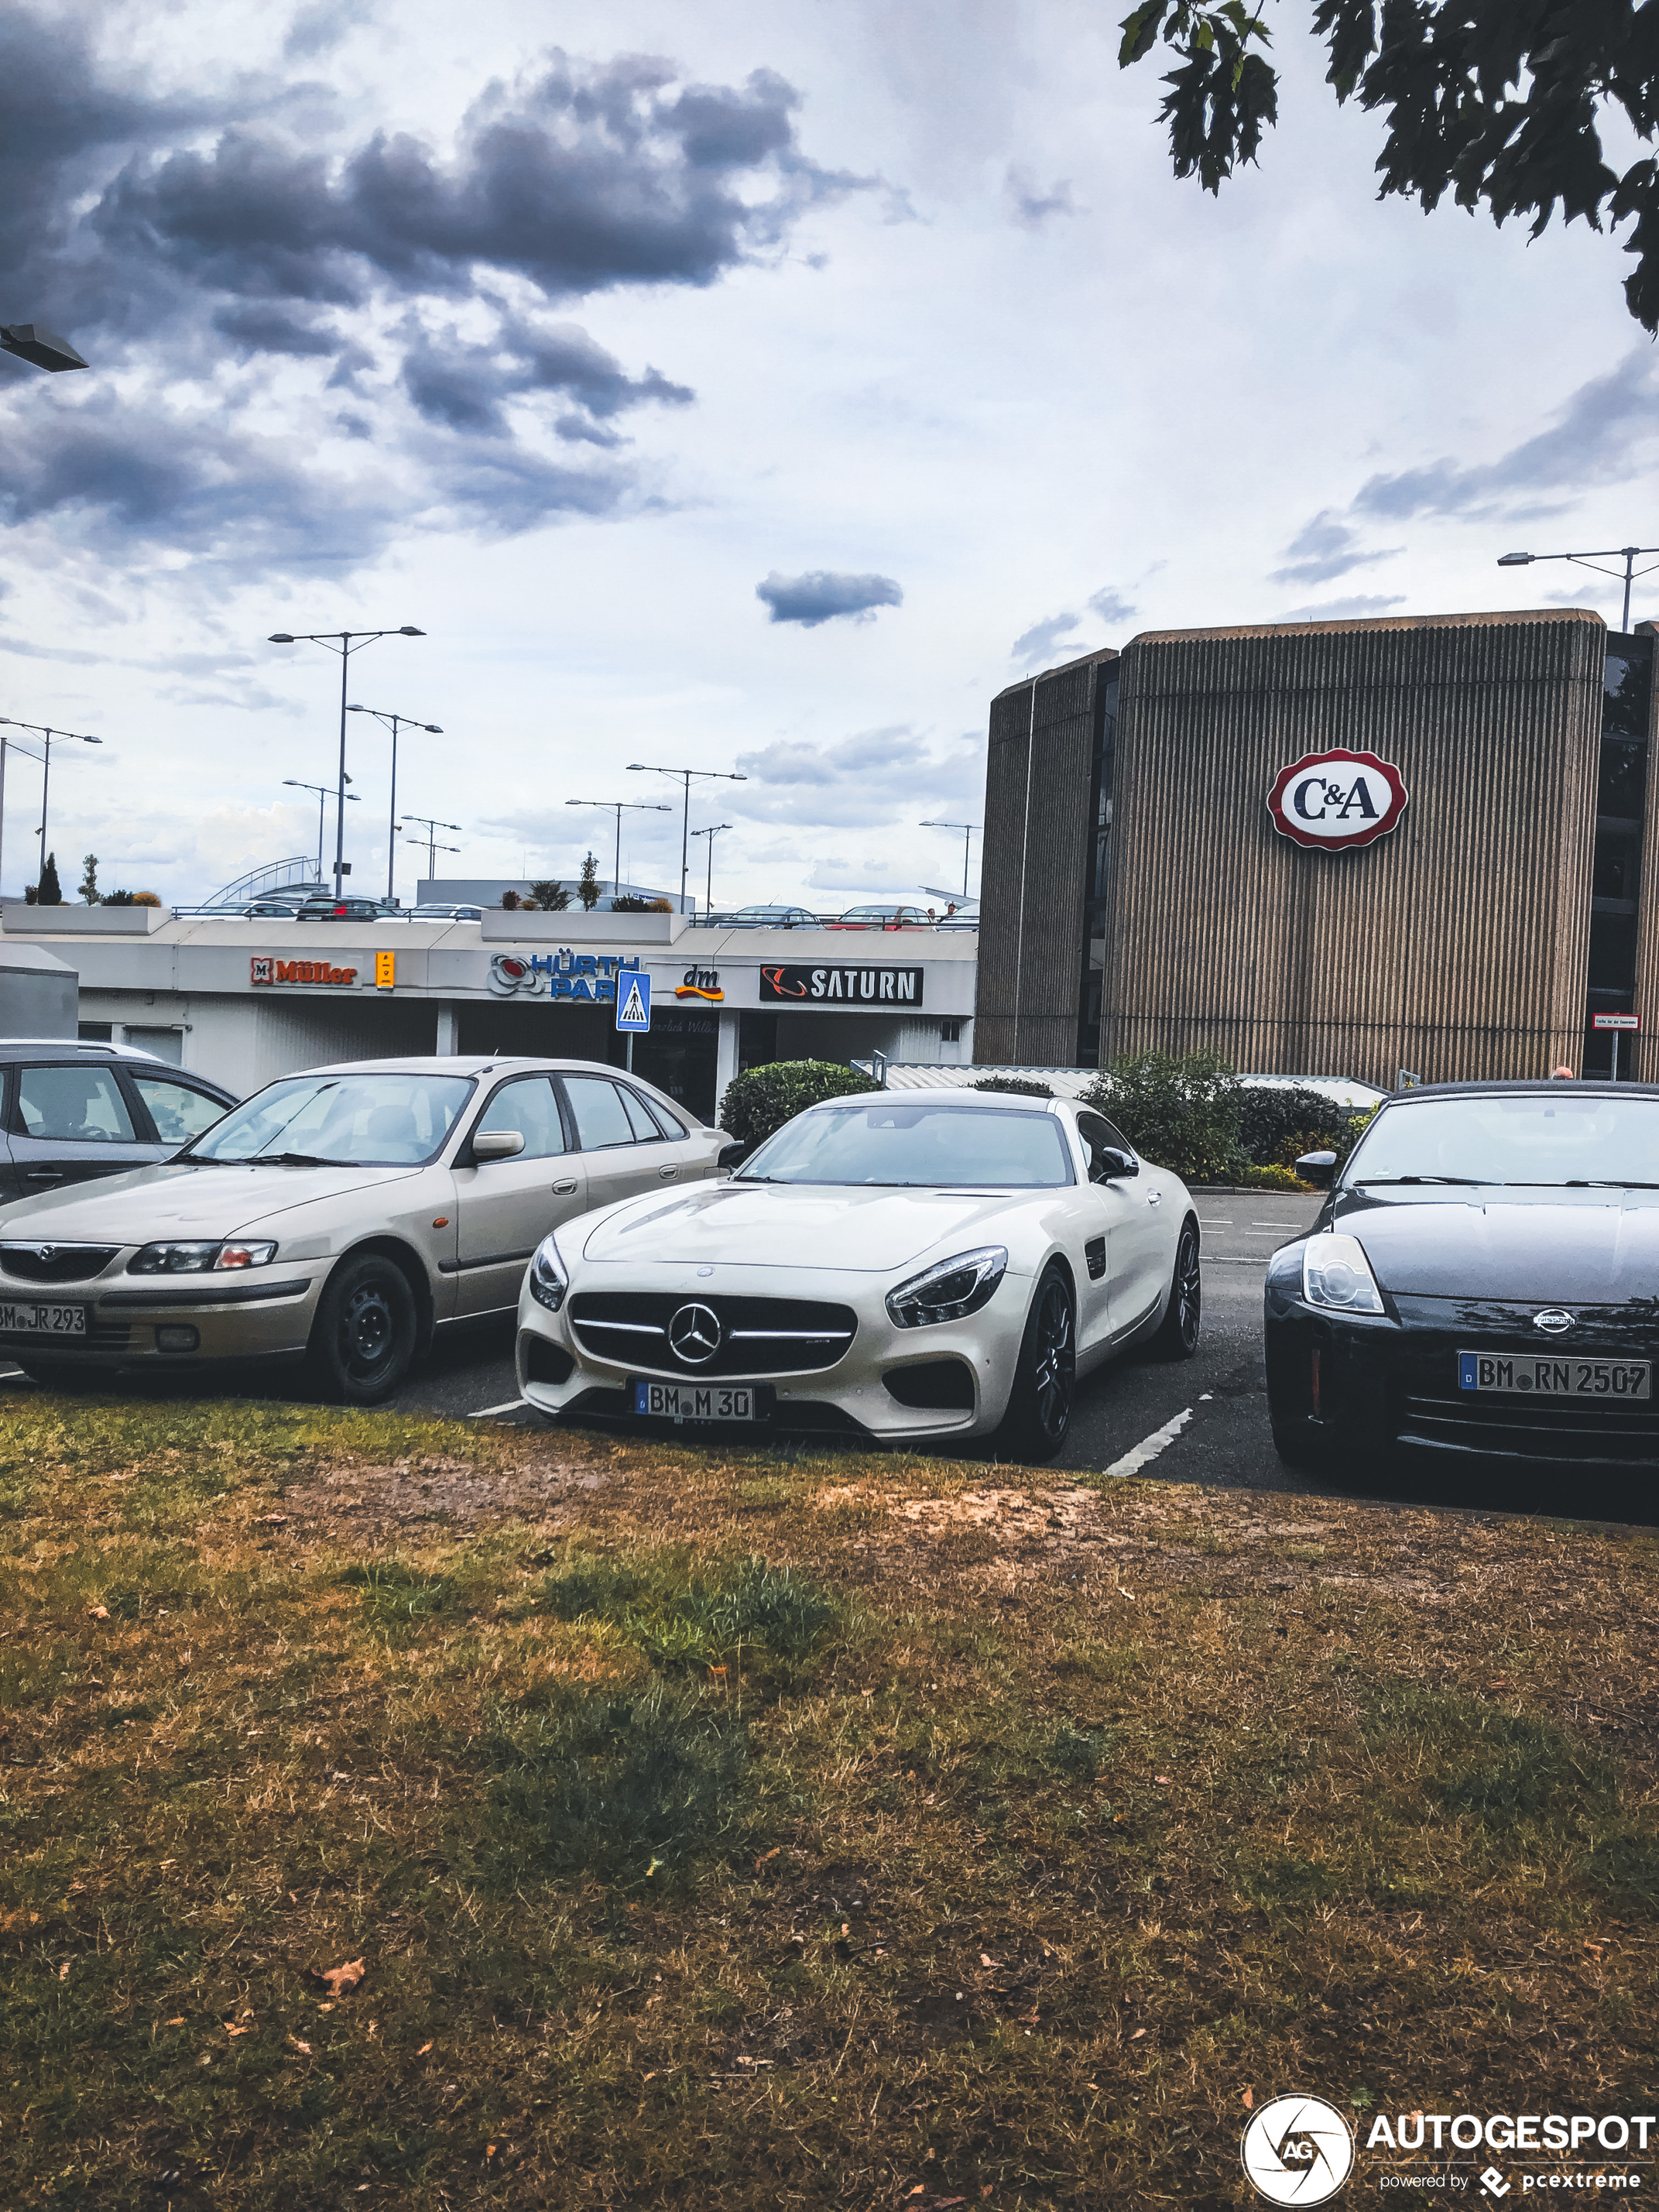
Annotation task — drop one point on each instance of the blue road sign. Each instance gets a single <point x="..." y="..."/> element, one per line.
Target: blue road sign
<point x="633" y="999"/>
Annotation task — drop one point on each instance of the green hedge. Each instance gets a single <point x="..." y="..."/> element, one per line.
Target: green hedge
<point x="763" y="1099"/>
<point x="1183" y="1114"/>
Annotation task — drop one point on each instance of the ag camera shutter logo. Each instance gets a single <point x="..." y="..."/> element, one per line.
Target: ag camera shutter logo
<point x="1337" y="801"/>
<point x="1296" y="2151"/>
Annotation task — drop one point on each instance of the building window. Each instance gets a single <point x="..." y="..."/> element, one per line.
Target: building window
<point x="950" y="1032"/>
<point x="1621" y="799"/>
<point x="96" y="1032"/>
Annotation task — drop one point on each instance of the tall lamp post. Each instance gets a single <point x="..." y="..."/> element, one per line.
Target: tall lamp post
<point x="619" y="807"/>
<point x="967" y="830"/>
<point x="392" y="722"/>
<point x="293" y="783"/>
<point x="1629" y="554"/>
<point x="430" y="842"/>
<point x="38" y="730"/>
<point x="33" y="342"/>
<point x="685" y="775"/>
<point x="711" y="833"/>
<point x="345" y="642"/>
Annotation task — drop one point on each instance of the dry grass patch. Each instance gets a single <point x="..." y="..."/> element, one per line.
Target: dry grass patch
<point x="734" y="1829"/>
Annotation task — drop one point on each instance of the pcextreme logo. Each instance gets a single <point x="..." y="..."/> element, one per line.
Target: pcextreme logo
<point x="1296" y="2151"/>
<point x="700" y="983"/>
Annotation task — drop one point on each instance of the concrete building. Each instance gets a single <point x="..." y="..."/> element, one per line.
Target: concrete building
<point x="1328" y="848"/>
<point x="244" y="1001"/>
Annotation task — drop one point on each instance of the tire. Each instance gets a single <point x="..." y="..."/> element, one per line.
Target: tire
<point x="1039" y="1416"/>
<point x="1178" y="1331"/>
<point x="363" y="1339"/>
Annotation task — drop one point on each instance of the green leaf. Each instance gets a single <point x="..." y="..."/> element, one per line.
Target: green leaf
<point x="1140" y="31"/>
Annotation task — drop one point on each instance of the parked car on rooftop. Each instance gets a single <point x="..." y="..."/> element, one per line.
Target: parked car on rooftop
<point x="771" y="917"/>
<point x="881" y="917"/>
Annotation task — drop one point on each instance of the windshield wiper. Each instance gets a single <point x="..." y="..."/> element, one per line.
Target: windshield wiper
<point x="1473" y="1182"/>
<point x="1590" y="1183"/>
<point x="297" y="1160"/>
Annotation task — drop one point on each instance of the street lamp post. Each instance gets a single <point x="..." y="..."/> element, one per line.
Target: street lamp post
<point x="392" y="722"/>
<point x="47" y="737"/>
<point x="429" y="841"/>
<point x="345" y="642"/>
<point x="33" y="342"/>
<point x="1629" y="554"/>
<point x="711" y="833"/>
<point x="967" y="830"/>
<point x="619" y="807"/>
<point x="293" y="783"/>
<point x="685" y="775"/>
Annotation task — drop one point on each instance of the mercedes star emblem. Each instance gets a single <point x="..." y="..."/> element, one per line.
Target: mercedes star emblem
<point x="694" y="1334"/>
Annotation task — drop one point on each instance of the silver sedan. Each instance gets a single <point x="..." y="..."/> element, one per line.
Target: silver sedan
<point x="340" y="1217"/>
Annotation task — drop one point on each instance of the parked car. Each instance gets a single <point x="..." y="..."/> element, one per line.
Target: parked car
<point x="918" y="1265"/>
<point x="771" y="917"/>
<point x="271" y="909"/>
<point x="881" y="917"/>
<point x="340" y="1216"/>
<point x="424" y="913"/>
<point x="346" y="909"/>
<point x="1479" y="1281"/>
<point x="75" y="1112"/>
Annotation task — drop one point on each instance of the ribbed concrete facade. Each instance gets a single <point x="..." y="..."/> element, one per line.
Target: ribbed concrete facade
<point x="1458" y="946"/>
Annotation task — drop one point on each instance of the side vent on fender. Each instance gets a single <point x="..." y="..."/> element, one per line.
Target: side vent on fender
<point x="1095" y="1252"/>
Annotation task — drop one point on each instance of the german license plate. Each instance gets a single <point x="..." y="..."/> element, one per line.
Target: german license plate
<point x="24" y="1320"/>
<point x="1527" y="1374"/>
<point x="700" y="1401"/>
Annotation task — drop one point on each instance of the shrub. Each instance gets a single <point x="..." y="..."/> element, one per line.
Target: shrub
<point x="660" y="906"/>
<point x="1272" y="1178"/>
<point x="1015" y="1086"/>
<point x="629" y="903"/>
<point x="548" y="897"/>
<point x="1277" y="1126"/>
<point x="761" y="1099"/>
<point x="1182" y="1115"/>
<point x="510" y="901"/>
<point x="587" y="887"/>
<point x="145" y="898"/>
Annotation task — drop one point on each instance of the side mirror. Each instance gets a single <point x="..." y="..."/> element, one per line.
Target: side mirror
<point x="497" y="1145"/>
<point x="1113" y="1165"/>
<point x="731" y="1156"/>
<point x="1317" y="1167"/>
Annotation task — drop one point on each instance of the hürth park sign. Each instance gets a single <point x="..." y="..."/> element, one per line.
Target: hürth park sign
<point x="1337" y="801"/>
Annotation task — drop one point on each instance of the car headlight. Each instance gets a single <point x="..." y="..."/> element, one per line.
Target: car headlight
<point x="198" y="1258"/>
<point x="1336" y="1274"/>
<point x="548" y="1281"/>
<point x="947" y="1292"/>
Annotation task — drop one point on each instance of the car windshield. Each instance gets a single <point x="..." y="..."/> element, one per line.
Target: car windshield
<point x="1553" y="1138"/>
<point x="344" y="1121"/>
<point x="906" y="1146"/>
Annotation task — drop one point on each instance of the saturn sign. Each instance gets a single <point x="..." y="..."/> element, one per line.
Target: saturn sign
<point x="1337" y="801"/>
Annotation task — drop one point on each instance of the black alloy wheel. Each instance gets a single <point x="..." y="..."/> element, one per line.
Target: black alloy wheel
<point x="1177" y="1332"/>
<point x="1039" y="1414"/>
<point x="362" y="1341"/>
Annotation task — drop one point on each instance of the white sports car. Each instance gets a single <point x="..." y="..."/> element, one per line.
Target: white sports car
<point x="917" y="1265"/>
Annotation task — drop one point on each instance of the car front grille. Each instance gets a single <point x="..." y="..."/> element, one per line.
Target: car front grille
<point x="1540" y="1428"/>
<point x="757" y="1336"/>
<point x="55" y="1263"/>
<point x="100" y="1336"/>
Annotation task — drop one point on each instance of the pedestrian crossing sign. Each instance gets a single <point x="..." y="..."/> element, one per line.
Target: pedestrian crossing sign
<point x="633" y="999"/>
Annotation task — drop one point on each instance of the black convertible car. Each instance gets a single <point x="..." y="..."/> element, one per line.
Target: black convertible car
<point x="1483" y="1279"/>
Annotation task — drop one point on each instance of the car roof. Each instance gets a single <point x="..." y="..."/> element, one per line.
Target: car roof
<point x="952" y="1094"/>
<point x="32" y="1048"/>
<point x="1508" y="1086"/>
<point x="484" y="1063"/>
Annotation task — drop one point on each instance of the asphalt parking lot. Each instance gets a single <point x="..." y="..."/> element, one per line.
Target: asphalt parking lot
<point x="1199" y="1420"/>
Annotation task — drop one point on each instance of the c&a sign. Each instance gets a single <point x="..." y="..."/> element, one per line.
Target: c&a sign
<point x="1337" y="801"/>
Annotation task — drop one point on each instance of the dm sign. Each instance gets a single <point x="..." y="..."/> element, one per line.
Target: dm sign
<point x="1337" y="801"/>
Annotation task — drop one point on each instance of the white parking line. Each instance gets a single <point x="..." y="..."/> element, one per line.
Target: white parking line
<point x="1149" y="1447"/>
<point x="511" y="1406"/>
<point x="1237" y="1259"/>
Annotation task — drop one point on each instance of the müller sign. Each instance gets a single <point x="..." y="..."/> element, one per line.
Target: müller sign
<point x="1337" y="801"/>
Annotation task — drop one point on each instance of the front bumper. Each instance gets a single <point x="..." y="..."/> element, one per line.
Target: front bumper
<point x="133" y="1321"/>
<point x="1358" y="1383"/>
<point x="862" y="1395"/>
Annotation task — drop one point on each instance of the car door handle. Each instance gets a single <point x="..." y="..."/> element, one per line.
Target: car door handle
<point x="564" y="1189"/>
<point x="667" y="1174"/>
<point x="1154" y="1198"/>
<point x="45" y="1174"/>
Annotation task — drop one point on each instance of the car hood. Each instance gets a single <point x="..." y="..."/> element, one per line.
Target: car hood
<point x="1596" y="1247"/>
<point x="773" y="1225"/>
<point x="182" y="1200"/>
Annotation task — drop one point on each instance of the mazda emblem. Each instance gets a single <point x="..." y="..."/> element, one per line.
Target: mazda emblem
<point x="1554" y="1323"/>
<point x="694" y="1331"/>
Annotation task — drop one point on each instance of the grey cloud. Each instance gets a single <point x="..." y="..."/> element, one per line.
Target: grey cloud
<point x="267" y="329"/>
<point x="319" y="27"/>
<point x="1054" y="634"/>
<point x="1591" y="442"/>
<point x="1042" y="638"/>
<point x="1344" y="610"/>
<point x="867" y="781"/>
<point x="463" y="386"/>
<point x="1325" y="549"/>
<point x="1030" y="205"/>
<point x="1112" y="606"/>
<point x="822" y="596"/>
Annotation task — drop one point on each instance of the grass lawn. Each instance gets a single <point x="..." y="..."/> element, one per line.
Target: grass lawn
<point x="413" y="1814"/>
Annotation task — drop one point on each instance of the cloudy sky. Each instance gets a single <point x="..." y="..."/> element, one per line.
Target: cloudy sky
<point x="759" y="389"/>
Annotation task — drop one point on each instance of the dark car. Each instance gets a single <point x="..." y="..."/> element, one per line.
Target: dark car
<point x="75" y="1111"/>
<point x="343" y="909"/>
<point x="1482" y="1279"/>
